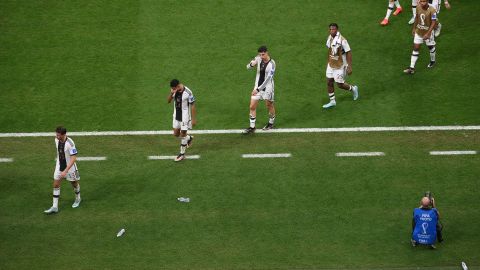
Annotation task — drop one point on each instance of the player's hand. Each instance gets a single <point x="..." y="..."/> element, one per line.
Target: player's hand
<point x="254" y="91"/>
<point x="349" y="70"/>
<point x="253" y="63"/>
<point x="413" y="32"/>
<point x="194" y="122"/>
<point x="173" y="91"/>
<point x="427" y="36"/>
<point x="63" y="174"/>
<point x="447" y="5"/>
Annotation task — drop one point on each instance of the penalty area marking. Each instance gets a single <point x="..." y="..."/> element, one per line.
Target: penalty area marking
<point x="6" y="159"/>
<point x="359" y="154"/>
<point x="449" y="153"/>
<point x="281" y="155"/>
<point x="91" y="158"/>
<point x="172" y="157"/>
<point x="238" y="131"/>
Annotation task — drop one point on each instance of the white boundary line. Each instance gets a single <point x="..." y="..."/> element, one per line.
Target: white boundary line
<point x="359" y="154"/>
<point x="172" y="157"/>
<point x="445" y="153"/>
<point x="238" y="131"/>
<point x="6" y="159"/>
<point x="282" y="155"/>
<point x="91" y="158"/>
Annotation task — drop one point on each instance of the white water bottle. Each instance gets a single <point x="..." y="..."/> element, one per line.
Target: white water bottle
<point x="121" y="232"/>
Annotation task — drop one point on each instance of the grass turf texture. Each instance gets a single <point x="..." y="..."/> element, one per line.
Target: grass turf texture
<point x="102" y="65"/>
<point x="313" y="210"/>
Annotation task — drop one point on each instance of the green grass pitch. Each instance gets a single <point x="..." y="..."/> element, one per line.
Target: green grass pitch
<point x="105" y="65"/>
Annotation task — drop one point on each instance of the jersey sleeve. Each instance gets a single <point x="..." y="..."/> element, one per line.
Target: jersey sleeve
<point x="70" y="147"/>
<point x="345" y="46"/>
<point x="191" y="98"/>
<point x="257" y="59"/>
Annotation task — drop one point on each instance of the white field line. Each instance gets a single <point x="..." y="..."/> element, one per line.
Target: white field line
<point x="237" y="131"/>
<point x="446" y="153"/>
<point x="91" y="158"/>
<point x="6" y="159"/>
<point x="359" y="154"/>
<point x="282" y="155"/>
<point x="172" y="157"/>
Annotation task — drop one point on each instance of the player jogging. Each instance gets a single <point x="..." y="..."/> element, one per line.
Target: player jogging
<point x="184" y="114"/>
<point x="391" y="4"/>
<point x="339" y="64"/>
<point x="422" y="31"/>
<point x="66" y="168"/>
<point x="263" y="89"/>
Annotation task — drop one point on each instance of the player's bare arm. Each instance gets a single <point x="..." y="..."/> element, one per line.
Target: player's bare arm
<point x="349" y="62"/>
<point x="172" y="94"/>
<point x="447" y="4"/>
<point x="429" y="32"/>
<point x="194" y="114"/>
<point x="69" y="165"/>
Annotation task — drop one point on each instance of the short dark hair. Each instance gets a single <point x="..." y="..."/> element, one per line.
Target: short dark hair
<point x="333" y="24"/>
<point x="61" y="130"/>
<point x="263" y="48"/>
<point x="174" y="83"/>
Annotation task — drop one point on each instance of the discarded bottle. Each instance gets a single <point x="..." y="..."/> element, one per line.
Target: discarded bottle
<point x="121" y="232"/>
<point x="182" y="199"/>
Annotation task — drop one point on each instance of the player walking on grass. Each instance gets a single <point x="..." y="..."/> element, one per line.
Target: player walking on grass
<point x="66" y="168"/>
<point x="263" y="89"/>
<point x="437" y="5"/>
<point x="184" y="114"/>
<point x="339" y="64"/>
<point x="422" y="31"/>
<point x="391" y="4"/>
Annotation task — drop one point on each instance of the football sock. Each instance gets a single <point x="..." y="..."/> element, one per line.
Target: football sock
<point x="389" y="10"/>
<point x="432" y="53"/>
<point x="414" y="59"/>
<point x="77" y="191"/>
<point x="183" y="145"/>
<point x="397" y="3"/>
<point x="252" y="121"/>
<point x="332" y="97"/>
<point x="56" y="195"/>
<point x="414" y="7"/>
<point x="271" y="120"/>
<point x="350" y="88"/>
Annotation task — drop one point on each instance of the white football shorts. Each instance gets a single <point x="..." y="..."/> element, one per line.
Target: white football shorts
<point x="72" y="175"/>
<point x="338" y="74"/>
<point x="267" y="94"/>
<point x="429" y="42"/>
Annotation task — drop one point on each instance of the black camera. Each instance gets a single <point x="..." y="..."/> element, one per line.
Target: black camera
<point x="429" y="195"/>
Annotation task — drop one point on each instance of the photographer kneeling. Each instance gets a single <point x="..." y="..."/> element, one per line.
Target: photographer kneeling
<point x="426" y="228"/>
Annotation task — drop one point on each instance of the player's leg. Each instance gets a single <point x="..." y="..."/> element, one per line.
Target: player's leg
<point x="431" y="47"/>
<point x="271" y="114"/>
<point x="331" y="94"/>
<point x="391" y="4"/>
<point x="414" y="12"/>
<point x="56" y="194"/>
<point x="415" y="53"/>
<point x="339" y="77"/>
<point x="183" y="145"/>
<point x="255" y="97"/>
<point x="399" y="8"/>
<point x="76" y="190"/>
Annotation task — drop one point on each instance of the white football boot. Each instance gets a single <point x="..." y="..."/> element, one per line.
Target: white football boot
<point x="329" y="105"/>
<point x="52" y="210"/>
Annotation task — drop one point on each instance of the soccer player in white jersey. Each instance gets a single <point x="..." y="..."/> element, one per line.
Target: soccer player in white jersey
<point x="66" y="168"/>
<point x="184" y="114"/>
<point x="391" y="4"/>
<point x="339" y="64"/>
<point x="263" y="88"/>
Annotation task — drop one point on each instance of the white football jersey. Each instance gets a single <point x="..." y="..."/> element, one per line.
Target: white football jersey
<point x="265" y="72"/>
<point x="64" y="153"/>
<point x="182" y="104"/>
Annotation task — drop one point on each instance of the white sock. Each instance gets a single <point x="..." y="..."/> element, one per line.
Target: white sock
<point x="56" y="195"/>
<point x="414" y="7"/>
<point x="389" y="10"/>
<point x="433" y="53"/>
<point x="271" y="120"/>
<point x="397" y="3"/>
<point x="252" y="121"/>
<point x="183" y="145"/>
<point x="77" y="191"/>
<point x="332" y="97"/>
<point x="414" y="59"/>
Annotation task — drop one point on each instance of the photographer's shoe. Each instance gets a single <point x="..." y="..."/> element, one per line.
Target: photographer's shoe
<point x="414" y="244"/>
<point x="433" y="247"/>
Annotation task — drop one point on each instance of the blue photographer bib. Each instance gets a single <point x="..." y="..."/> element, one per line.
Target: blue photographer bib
<point x="425" y="231"/>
